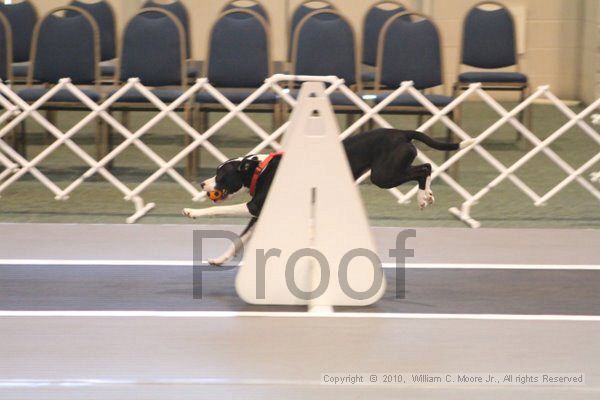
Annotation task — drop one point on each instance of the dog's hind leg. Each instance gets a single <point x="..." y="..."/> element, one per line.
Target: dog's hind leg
<point x="387" y="178"/>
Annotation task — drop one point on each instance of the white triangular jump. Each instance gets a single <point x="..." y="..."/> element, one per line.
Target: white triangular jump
<point x="313" y="206"/>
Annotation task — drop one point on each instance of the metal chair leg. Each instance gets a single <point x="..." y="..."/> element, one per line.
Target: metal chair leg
<point x="350" y="118"/>
<point x="51" y="117"/>
<point x="105" y="142"/>
<point x="21" y="139"/>
<point x="191" y="170"/>
<point x="521" y="116"/>
<point x="454" y="168"/>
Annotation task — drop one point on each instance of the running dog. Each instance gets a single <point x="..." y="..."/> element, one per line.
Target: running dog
<point x="388" y="153"/>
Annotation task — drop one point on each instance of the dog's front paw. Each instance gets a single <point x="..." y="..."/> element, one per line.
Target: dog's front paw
<point x="189" y="212"/>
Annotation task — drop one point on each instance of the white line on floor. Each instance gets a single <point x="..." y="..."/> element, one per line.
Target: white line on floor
<point x="189" y="263"/>
<point x="275" y="314"/>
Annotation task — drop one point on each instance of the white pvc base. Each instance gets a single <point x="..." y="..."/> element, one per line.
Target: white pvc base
<point x="313" y="204"/>
<point x="464" y="217"/>
<point x="141" y="209"/>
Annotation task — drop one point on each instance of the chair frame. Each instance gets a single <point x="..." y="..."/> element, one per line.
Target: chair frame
<point x="23" y="80"/>
<point x="232" y="2"/>
<point x="522" y="88"/>
<point x="350" y="110"/>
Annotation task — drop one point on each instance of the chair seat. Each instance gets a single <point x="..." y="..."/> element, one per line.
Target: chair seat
<point x="406" y="100"/>
<point x="20" y="70"/>
<point x="62" y="96"/>
<point x="336" y="98"/>
<point x="502" y="77"/>
<point x="134" y="96"/>
<point x="237" y="96"/>
<point x="368" y="76"/>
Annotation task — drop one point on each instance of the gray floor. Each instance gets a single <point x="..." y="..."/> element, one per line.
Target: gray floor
<point x="258" y="358"/>
<point x="175" y="243"/>
<point x="252" y="357"/>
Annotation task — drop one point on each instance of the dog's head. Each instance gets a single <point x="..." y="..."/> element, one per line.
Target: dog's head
<point x="231" y="177"/>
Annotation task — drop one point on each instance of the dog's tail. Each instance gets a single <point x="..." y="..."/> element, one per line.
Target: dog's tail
<point x="436" y="144"/>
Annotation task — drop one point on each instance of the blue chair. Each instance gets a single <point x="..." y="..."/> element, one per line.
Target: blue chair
<point x="254" y="6"/>
<point x="6" y="50"/>
<point x="177" y="8"/>
<point x="104" y="15"/>
<point x="324" y="44"/>
<point x="237" y="63"/>
<point x="6" y="66"/>
<point x="153" y="50"/>
<point x="22" y="17"/>
<point x="64" y="47"/>
<point x="302" y="11"/>
<point x="373" y="21"/>
<point x="238" y="60"/>
<point x="488" y="43"/>
<point x="409" y="50"/>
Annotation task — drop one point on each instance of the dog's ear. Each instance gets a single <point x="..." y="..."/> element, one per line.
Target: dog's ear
<point x="248" y="163"/>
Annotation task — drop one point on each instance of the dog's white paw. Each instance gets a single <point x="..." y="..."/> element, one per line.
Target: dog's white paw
<point x="188" y="212"/>
<point x="217" y="262"/>
<point x="466" y="143"/>
<point x="425" y="198"/>
<point x="430" y="198"/>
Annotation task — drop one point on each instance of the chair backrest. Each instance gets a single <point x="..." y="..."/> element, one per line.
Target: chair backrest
<point x="325" y="46"/>
<point x="153" y="49"/>
<point x="239" y="53"/>
<point x="5" y="49"/>
<point x="489" y="37"/>
<point x="302" y="11"/>
<point x="104" y="15"/>
<point x="177" y="8"/>
<point x="65" y="47"/>
<point x="372" y="24"/>
<point x="409" y="50"/>
<point x="250" y="5"/>
<point x="22" y="17"/>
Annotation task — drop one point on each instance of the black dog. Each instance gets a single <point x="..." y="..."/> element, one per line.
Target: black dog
<point x="388" y="153"/>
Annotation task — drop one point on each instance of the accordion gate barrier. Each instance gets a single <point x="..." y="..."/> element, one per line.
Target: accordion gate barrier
<point x="16" y="110"/>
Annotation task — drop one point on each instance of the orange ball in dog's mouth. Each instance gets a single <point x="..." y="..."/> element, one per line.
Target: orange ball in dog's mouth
<point x="216" y="195"/>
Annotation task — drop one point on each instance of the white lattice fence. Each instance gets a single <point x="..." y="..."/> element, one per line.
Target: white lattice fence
<point x="16" y="110"/>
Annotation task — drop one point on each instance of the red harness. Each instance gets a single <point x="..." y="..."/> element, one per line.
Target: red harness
<point x="261" y="167"/>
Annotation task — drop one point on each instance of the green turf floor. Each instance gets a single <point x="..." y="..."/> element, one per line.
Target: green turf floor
<point x="96" y="201"/>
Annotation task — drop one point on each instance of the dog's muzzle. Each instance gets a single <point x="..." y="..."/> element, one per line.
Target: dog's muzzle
<point x="216" y="195"/>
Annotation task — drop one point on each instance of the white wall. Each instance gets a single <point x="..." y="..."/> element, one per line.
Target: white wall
<point x="590" y="51"/>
